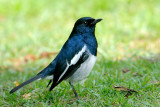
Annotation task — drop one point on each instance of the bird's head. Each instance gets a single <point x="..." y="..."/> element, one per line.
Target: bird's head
<point x="85" y="25"/>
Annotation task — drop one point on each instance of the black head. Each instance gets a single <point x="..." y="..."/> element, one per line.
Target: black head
<point x="85" y="25"/>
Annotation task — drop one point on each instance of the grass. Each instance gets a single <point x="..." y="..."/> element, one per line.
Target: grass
<point x="128" y="38"/>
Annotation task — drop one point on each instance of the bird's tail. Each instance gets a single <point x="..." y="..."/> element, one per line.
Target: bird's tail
<point x="26" y="82"/>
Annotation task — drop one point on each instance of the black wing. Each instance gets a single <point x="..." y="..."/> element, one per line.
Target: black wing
<point x="69" y="71"/>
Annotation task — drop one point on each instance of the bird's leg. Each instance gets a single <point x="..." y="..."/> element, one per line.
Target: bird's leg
<point x="49" y="83"/>
<point x="76" y="95"/>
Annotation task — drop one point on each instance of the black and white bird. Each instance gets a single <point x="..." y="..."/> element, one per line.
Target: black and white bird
<point x="76" y="58"/>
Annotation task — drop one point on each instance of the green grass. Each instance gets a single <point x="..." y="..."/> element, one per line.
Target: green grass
<point x="128" y="37"/>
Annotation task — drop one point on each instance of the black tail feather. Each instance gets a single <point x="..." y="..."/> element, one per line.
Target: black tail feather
<point x="25" y="83"/>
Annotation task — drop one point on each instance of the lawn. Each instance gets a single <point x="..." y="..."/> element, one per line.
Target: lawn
<point x="32" y="33"/>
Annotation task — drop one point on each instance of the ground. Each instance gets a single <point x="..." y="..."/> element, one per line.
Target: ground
<point x="32" y="33"/>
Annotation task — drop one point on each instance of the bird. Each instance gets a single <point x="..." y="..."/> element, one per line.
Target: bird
<point x="76" y="58"/>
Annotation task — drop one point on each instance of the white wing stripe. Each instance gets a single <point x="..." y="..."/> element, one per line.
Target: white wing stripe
<point x="77" y="56"/>
<point x="73" y="61"/>
<point x="64" y="71"/>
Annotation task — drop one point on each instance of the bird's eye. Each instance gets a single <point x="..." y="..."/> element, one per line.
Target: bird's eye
<point x="85" y="23"/>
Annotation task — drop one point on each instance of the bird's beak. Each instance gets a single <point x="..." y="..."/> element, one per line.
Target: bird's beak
<point x="96" y="21"/>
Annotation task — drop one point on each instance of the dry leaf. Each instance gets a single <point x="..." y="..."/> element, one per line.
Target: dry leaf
<point x="30" y="57"/>
<point x="129" y="91"/>
<point x="120" y="88"/>
<point x="137" y="74"/>
<point x="47" y="54"/>
<point x="17" y="62"/>
<point x="16" y="83"/>
<point x="27" y="96"/>
<point x="125" y="70"/>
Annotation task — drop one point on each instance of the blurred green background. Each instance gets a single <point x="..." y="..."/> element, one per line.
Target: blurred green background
<point x="32" y="33"/>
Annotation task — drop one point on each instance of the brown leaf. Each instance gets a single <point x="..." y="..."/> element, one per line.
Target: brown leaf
<point x="125" y="70"/>
<point x="129" y="91"/>
<point x="47" y="54"/>
<point x="30" y="57"/>
<point x="16" y="83"/>
<point x="27" y="96"/>
<point x="137" y="74"/>
<point x="17" y="62"/>
<point x="121" y="88"/>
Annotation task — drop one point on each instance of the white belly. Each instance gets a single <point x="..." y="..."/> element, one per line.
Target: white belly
<point x="84" y="70"/>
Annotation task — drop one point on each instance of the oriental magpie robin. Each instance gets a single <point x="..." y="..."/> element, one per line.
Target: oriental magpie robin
<point x="76" y="58"/>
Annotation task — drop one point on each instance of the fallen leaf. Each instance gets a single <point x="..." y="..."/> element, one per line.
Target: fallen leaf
<point x="17" y="62"/>
<point x="129" y="91"/>
<point x="16" y="83"/>
<point x="137" y="74"/>
<point x="30" y="57"/>
<point x="47" y="54"/>
<point x="27" y="96"/>
<point x="125" y="70"/>
<point x="120" y="88"/>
